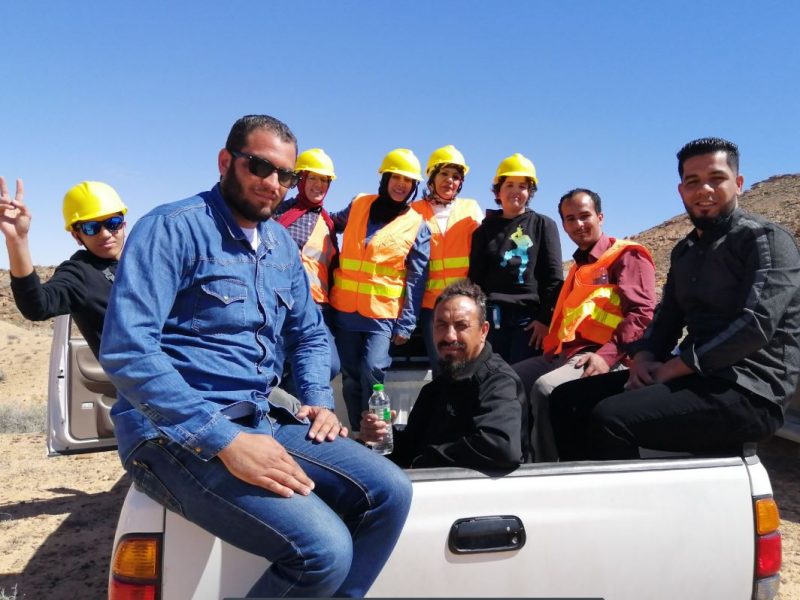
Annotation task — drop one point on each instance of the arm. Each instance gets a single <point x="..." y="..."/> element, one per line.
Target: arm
<point x="494" y="442"/>
<point x="770" y="277"/>
<point x="549" y="271"/>
<point x="63" y="293"/>
<point x="416" y="278"/>
<point x="635" y="277"/>
<point x="477" y="259"/>
<point x="340" y="218"/>
<point x="131" y="351"/>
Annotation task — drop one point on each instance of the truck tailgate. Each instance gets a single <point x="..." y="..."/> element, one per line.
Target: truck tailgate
<point x="649" y="529"/>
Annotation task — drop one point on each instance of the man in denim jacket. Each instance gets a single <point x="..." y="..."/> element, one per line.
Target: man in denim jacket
<point x="207" y="286"/>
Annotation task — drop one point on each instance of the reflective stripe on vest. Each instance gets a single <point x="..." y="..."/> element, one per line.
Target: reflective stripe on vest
<point x="593" y="310"/>
<point x="371" y="278"/>
<point x="317" y="255"/>
<point x="449" y="251"/>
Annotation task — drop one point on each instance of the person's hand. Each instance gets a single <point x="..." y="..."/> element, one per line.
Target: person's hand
<point x="672" y="369"/>
<point x="538" y="333"/>
<point x="399" y="340"/>
<point x="15" y="219"/>
<point x="592" y="364"/>
<point x="325" y="425"/>
<point x="261" y="461"/>
<point x="642" y="371"/>
<point x="373" y="428"/>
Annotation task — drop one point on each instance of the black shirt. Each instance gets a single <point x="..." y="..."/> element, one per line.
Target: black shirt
<point x="736" y="290"/>
<point x="517" y="262"/>
<point x="79" y="286"/>
<point x="473" y="421"/>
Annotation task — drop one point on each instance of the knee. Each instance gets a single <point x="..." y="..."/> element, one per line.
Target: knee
<point x="327" y="563"/>
<point x="392" y="492"/>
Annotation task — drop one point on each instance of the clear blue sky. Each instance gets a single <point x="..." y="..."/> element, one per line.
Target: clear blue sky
<point x="598" y="94"/>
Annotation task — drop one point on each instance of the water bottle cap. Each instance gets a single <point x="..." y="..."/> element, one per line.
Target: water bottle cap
<point x="378" y="387"/>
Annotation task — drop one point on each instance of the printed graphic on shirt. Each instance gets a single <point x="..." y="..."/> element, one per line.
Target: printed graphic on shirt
<point x="523" y="243"/>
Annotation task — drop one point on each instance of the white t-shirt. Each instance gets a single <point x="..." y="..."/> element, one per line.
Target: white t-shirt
<point x="252" y="236"/>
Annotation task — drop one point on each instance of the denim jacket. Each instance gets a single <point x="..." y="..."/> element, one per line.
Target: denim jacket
<point x="192" y="325"/>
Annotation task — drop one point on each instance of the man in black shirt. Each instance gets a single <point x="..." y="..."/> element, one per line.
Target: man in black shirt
<point x="734" y="285"/>
<point x="470" y="415"/>
<point x="94" y="215"/>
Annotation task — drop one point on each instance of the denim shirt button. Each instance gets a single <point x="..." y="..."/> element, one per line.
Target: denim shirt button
<point x="198" y="450"/>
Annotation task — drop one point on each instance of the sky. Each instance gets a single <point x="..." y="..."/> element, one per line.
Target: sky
<point x="598" y="94"/>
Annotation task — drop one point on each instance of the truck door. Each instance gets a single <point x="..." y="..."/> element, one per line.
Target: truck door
<point x="79" y="396"/>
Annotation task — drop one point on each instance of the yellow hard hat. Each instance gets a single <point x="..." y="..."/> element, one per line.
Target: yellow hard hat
<point x="403" y="162"/>
<point x="316" y="161"/>
<point x="89" y="200"/>
<point x="516" y="165"/>
<point x="446" y="155"/>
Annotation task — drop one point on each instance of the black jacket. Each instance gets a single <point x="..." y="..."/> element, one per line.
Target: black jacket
<point x="736" y="291"/>
<point x="79" y="286"/>
<point x="474" y="421"/>
<point x="517" y="262"/>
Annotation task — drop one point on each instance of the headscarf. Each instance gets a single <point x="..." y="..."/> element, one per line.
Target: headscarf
<point x="385" y="209"/>
<point x="302" y="205"/>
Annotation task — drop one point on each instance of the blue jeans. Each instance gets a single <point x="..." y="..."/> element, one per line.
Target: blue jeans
<point x="333" y="542"/>
<point x="365" y="359"/>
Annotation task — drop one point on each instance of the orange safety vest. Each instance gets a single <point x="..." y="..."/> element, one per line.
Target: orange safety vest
<point x="317" y="255"/>
<point x="591" y="309"/>
<point x="449" y="250"/>
<point x="371" y="278"/>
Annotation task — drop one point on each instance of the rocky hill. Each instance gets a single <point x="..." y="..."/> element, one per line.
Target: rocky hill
<point x="777" y="198"/>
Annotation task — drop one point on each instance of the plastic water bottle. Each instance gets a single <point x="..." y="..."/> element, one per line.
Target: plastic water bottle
<point x="379" y="405"/>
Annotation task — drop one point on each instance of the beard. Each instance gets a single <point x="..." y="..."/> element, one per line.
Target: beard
<point x="711" y="223"/>
<point x="232" y="192"/>
<point x="452" y="366"/>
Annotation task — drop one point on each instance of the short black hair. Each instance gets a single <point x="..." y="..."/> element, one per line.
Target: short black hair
<point x="464" y="287"/>
<point x="237" y="138"/>
<point x="496" y="189"/>
<point x="709" y="145"/>
<point x="598" y="203"/>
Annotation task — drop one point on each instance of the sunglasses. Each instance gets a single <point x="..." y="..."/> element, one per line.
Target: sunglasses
<point x="262" y="168"/>
<point x="93" y="227"/>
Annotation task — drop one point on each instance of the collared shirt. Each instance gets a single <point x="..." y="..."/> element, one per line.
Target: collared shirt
<point x="635" y="278"/>
<point x="192" y="325"/>
<point x="301" y="229"/>
<point x="736" y="290"/>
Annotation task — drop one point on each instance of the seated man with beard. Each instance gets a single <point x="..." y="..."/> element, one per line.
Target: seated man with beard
<point x="471" y="414"/>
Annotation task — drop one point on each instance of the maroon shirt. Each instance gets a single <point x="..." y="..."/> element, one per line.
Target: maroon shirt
<point x="635" y="276"/>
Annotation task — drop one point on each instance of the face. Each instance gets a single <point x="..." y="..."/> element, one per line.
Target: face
<point x="580" y="220"/>
<point x="709" y="189"/>
<point x="446" y="183"/>
<point x="316" y="187"/>
<point x="104" y="244"/>
<point x="514" y="195"/>
<point x="458" y="337"/>
<point x="251" y="198"/>
<point x="400" y="187"/>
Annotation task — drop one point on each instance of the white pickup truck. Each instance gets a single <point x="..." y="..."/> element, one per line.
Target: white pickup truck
<point x="663" y="527"/>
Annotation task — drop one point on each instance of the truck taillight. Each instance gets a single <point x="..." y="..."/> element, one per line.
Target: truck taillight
<point x="768" y="555"/>
<point x="768" y="549"/>
<point x="136" y="568"/>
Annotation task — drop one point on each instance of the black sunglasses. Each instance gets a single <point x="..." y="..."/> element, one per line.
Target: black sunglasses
<point x="93" y="227"/>
<point x="261" y="168"/>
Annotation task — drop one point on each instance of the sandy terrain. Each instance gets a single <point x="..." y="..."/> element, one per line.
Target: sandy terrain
<point x="57" y="515"/>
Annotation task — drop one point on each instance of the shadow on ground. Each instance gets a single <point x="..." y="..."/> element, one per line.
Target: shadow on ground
<point x="76" y="555"/>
